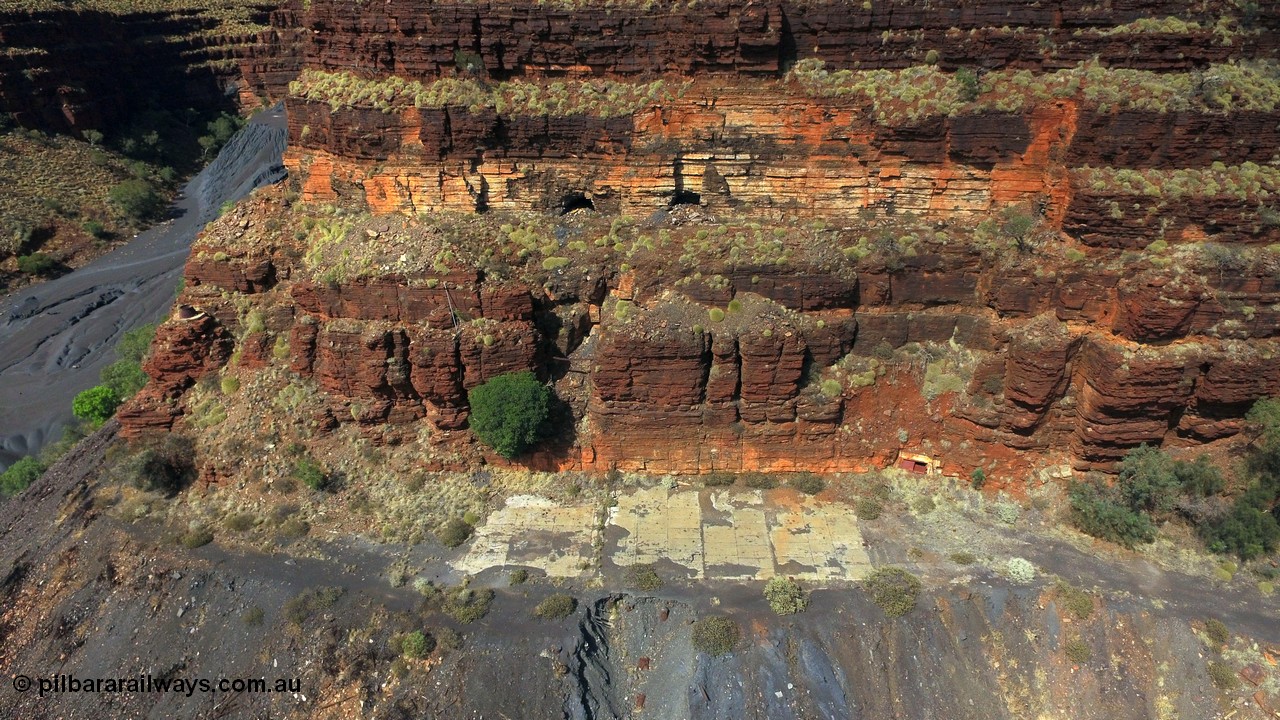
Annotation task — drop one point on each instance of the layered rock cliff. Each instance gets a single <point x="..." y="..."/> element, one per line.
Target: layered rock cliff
<point x="96" y="66"/>
<point x="765" y="237"/>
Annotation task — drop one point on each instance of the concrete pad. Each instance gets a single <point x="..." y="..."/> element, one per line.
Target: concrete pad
<point x="721" y="534"/>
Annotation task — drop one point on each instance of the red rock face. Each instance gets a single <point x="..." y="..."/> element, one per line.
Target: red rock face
<point x="94" y="70"/>
<point x="964" y="347"/>
<point x="415" y="38"/>
<point x="182" y="352"/>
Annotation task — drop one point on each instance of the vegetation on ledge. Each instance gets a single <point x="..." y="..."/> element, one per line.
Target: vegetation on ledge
<point x="596" y="98"/>
<point x="920" y="91"/>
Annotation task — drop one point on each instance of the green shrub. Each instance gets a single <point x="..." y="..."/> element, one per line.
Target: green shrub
<point x="508" y="412"/>
<point x="759" y="481"/>
<point x="124" y="377"/>
<point x="416" y="645"/>
<point x="1096" y="511"/>
<point x="196" y="537"/>
<point x="716" y="635"/>
<point x="519" y="576"/>
<point x="977" y="478"/>
<point x="95" y="228"/>
<point x="556" y="607"/>
<point x="1147" y="481"/>
<point x="968" y="84"/>
<point x="36" y="263"/>
<point x="807" y="483"/>
<point x="254" y="616"/>
<point x="1019" y="570"/>
<point x="466" y="605"/>
<point x="719" y="479"/>
<point x="868" y="509"/>
<point x="241" y="522"/>
<point x="893" y="589"/>
<point x="134" y="344"/>
<point x="963" y="558"/>
<point x="136" y="199"/>
<point x="1217" y="632"/>
<point x="785" y="596"/>
<point x="310" y="602"/>
<point x="1223" y="676"/>
<point x="1200" y="478"/>
<point x="165" y="465"/>
<point x="1078" y="651"/>
<point x="95" y="405"/>
<point x="230" y="384"/>
<point x="309" y="473"/>
<point x="20" y="475"/>
<point x="1075" y="601"/>
<point x="454" y="532"/>
<point x="1264" y="421"/>
<point x="1246" y="531"/>
<point x="643" y="577"/>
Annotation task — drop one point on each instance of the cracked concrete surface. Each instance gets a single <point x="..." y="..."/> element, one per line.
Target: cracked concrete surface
<point x="721" y="534"/>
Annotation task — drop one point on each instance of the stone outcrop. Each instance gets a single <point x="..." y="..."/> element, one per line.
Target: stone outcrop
<point x="77" y="69"/>
<point x="748" y="273"/>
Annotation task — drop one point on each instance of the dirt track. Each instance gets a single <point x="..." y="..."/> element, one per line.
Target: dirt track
<point x="56" y="337"/>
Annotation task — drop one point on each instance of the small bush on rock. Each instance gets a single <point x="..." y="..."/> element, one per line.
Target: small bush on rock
<point x="808" y="483"/>
<point x="1019" y="570"/>
<point x="1077" y="651"/>
<point x="759" y="481"/>
<point x="1223" y="676"/>
<point x="466" y="605"/>
<point x="309" y="473"/>
<point x="893" y="589"/>
<point x="785" y="596"/>
<point x="1217" y="632"/>
<point x="716" y="635"/>
<point x="454" y="533"/>
<point x="166" y="465"/>
<point x="643" y="577"/>
<point x="556" y="607"/>
<point x="868" y="509"/>
<point x="416" y="645"/>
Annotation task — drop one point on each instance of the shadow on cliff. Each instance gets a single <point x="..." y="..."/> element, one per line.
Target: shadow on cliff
<point x="559" y="437"/>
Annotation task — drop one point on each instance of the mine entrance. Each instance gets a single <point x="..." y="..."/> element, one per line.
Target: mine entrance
<point x="686" y="197"/>
<point x="575" y="201"/>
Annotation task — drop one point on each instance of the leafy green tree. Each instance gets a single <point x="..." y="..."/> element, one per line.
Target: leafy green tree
<point x="134" y="344"/>
<point x="125" y="376"/>
<point x="136" y="199"/>
<point x="1148" y="482"/>
<point x="1247" y="531"/>
<point x="1264" y="421"/>
<point x="1200" y="478"/>
<point x="508" y="412"/>
<point x="96" y="405"/>
<point x="36" y="263"/>
<point x="20" y="475"/>
<point x="1096" y="510"/>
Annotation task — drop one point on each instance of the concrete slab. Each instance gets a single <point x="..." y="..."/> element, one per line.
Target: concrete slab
<point x="722" y="534"/>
